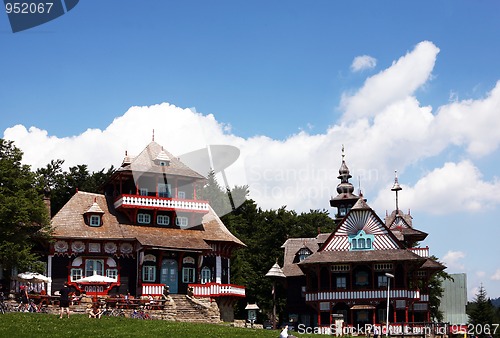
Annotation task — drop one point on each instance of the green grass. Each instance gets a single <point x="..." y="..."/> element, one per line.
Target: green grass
<point x="41" y="325"/>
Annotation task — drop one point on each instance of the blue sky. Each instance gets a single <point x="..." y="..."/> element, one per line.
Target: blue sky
<point x="278" y="80"/>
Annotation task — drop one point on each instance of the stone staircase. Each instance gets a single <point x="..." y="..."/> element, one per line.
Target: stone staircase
<point x="193" y="310"/>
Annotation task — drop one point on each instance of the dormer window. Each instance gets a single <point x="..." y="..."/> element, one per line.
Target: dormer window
<point x="163" y="160"/>
<point x="95" y="220"/>
<point x="361" y="241"/>
<point x="93" y="216"/>
<point x="303" y="254"/>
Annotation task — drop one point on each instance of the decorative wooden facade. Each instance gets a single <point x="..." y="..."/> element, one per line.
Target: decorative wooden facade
<point x="346" y="272"/>
<point x="148" y="230"/>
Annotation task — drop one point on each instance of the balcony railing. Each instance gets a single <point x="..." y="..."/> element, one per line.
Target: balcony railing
<point x="422" y="252"/>
<point x="152" y="289"/>
<point x="217" y="290"/>
<point x="152" y="202"/>
<point x="369" y="294"/>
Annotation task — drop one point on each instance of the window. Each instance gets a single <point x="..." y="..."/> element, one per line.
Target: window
<point x="362" y="278"/>
<point x="340" y="267"/>
<point x="149" y="273"/>
<point x="163" y="163"/>
<point x="384" y="266"/>
<point x="143" y="218"/>
<point x="143" y="191"/>
<point x="95" y="220"/>
<point x="341" y="282"/>
<point x="76" y="274"/>
<point x="163" y="220"/>
<point x="342" y="211"/>
<point x="382" y="281"/>
<point x="181" y="221"/>
<point x="188" y="275"/>
<point x="94" y="267"/>
<point x="206" y="275"/>
<point x="181" y="194"/>
<point x="112" y="273"/>
<point x="381" y="314"/>
<point x="303" y="254"/>
<point x="361" y="241"/>
<point x="164" y="190"/>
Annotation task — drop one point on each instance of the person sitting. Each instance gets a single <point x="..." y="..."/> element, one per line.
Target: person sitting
<point x="95" y="311"/>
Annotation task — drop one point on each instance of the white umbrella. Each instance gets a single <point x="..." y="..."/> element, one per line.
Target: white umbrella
<point x="95" y="278"/>
<point x="33" y="277"/>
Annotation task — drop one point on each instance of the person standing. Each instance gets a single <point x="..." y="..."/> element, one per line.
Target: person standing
<point x="24" y="299"/>
<point x="64" y="300"/>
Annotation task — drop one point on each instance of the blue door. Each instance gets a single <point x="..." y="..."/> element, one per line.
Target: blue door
<point x="169" y="274"/>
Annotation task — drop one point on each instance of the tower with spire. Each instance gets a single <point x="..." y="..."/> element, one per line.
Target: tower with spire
<point x="346" y="198"/>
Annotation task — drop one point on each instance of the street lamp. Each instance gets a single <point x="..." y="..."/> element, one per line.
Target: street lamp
<point x="388" y="275"/>
<point x="275" y="272"/>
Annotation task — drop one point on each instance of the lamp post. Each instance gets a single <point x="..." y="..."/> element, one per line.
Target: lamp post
<point x="388" y="275"/>
<point x="275" y="272"/>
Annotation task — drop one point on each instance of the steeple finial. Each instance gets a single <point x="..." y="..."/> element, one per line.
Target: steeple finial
<point x="153" y="135"/>
<point x="343" y="153"/>
<point x="396" y="187"/>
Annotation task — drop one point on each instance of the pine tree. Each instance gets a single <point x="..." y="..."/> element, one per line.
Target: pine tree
<point x="481" y="312"/>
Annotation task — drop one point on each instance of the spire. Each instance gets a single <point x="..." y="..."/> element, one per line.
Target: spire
<point x="345" y="187"/>
<point x="396" y="187"/>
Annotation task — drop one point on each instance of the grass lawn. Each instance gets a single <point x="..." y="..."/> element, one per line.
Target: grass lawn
<point x="43" y="325"/>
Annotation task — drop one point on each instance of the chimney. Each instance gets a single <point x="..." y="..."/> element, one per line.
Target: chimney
<point x="46" y="201"/>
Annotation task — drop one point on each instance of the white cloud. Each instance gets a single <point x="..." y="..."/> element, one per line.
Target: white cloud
<point x="480" y="274"/>
<point x="363" y="62"/>
<point x="453" y="260"/>
<point x="392" y="84"/>
<point x="496" y="275"/>
<point x="454" y="187"/>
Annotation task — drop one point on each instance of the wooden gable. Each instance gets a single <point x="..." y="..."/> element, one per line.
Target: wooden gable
<point x="361" y="218"/>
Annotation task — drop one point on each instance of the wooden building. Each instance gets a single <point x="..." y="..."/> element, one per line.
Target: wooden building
<point x="146" y="231"/>
<point x="347" y="271"/>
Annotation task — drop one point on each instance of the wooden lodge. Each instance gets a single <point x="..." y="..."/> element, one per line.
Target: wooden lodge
<point x="347" y="272"/>
<point x="145" y="234"/>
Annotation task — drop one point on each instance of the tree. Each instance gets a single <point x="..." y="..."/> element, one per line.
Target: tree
<point x="481" y="312"/>
<point x="24" y="219"/>
<point x="60" y="186"/>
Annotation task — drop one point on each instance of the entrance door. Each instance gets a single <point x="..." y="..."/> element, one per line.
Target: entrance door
<point x="169" y="274"/>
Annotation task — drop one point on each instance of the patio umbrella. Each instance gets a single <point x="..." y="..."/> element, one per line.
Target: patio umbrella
<point x="95" y="278"/>
<point x="32" y="277"/>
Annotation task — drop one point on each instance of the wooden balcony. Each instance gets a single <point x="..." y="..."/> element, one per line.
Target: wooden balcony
<point x="217" y="290"/>
<point x="368" y="294"/>
<point x="161" y="203"/>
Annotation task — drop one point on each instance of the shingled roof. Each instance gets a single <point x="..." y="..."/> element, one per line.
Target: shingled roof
<point x="147" y="161"/>
<point x="69" y="222"/>
<point x="363" y="256"/>
<point x="292" y="246"/>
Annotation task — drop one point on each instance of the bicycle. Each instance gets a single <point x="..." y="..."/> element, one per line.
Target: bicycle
<point x="113" y="312"/>
<point x="140" y="314"/>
